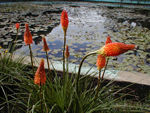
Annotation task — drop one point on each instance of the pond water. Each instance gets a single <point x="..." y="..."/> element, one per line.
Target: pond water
<point x="89" y="25"/>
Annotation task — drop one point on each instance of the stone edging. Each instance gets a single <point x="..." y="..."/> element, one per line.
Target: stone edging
<point x="120" y="76"/>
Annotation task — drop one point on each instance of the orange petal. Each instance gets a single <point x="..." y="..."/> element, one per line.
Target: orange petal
<point x="40" y="76"/>
<point x="115" y="49"/>
<point x="45" y="46"/>
<point x="27" y="36"/>
<point x="101" y="60"/>
<point x="64" y="20"/>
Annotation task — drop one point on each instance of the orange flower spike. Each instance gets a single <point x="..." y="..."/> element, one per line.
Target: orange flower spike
<point x="27" y="36"/>
<point x="17" y="26"/>
<point x="67" y="52"/>
<point x="40" y="76"/>
<point x="115" y="49"/>
<point x="101" y="61"/>
<point x="108" y="40"/>
<point x="45" y="46"/>
<point x="64" y="20"/>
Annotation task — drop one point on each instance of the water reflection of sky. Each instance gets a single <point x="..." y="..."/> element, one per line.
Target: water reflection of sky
<point x="86" y="32"/>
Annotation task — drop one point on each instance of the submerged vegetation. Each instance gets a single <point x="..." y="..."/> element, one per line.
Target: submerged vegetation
<point x="46" y="91"/>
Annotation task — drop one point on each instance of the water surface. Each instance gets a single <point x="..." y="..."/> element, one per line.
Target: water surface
<point x="89" y="25"/>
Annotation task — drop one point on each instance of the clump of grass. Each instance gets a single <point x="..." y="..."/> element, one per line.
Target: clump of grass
<point x="12" y="72"/>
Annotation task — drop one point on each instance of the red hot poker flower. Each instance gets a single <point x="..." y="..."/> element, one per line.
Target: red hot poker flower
<point x="101" y="61"/>
<point x="27" y="36"/>
<point x="115" y="49"/>
<point x="45" y="46"/>
<point x="108" y="40"/>
<point x="40" y="76"/>
<point x="17" y="26"/>
<point x="67" y="52"/>
<point x="64" y="20"/>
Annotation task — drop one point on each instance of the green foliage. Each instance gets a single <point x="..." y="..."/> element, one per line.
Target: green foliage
<point x="21" y="95"/>
<point x="12" y="73"/>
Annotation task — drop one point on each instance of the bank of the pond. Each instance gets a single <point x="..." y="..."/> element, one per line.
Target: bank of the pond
<point x="116" y="75"/>
<point x="138" y="82"/>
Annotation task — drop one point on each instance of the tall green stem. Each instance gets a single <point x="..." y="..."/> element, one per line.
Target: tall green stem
<point x="78" y="75"/>
<point x="98" y="85"/>
<point x="67" y="64"/>
<point x="48" y="65"/>
<point x="45" y="103"/>
<point x="47" y="61"/>
<point x="105" y="68"/>
<point x="31" y="58"/>
<point x="64" y="54"/>
<point x="100" y="79"/>
<point x="15" y="41"/>
<point x="41" y="96"/>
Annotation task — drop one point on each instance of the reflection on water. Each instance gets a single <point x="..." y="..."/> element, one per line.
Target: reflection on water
<point x="87" y="31"/>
